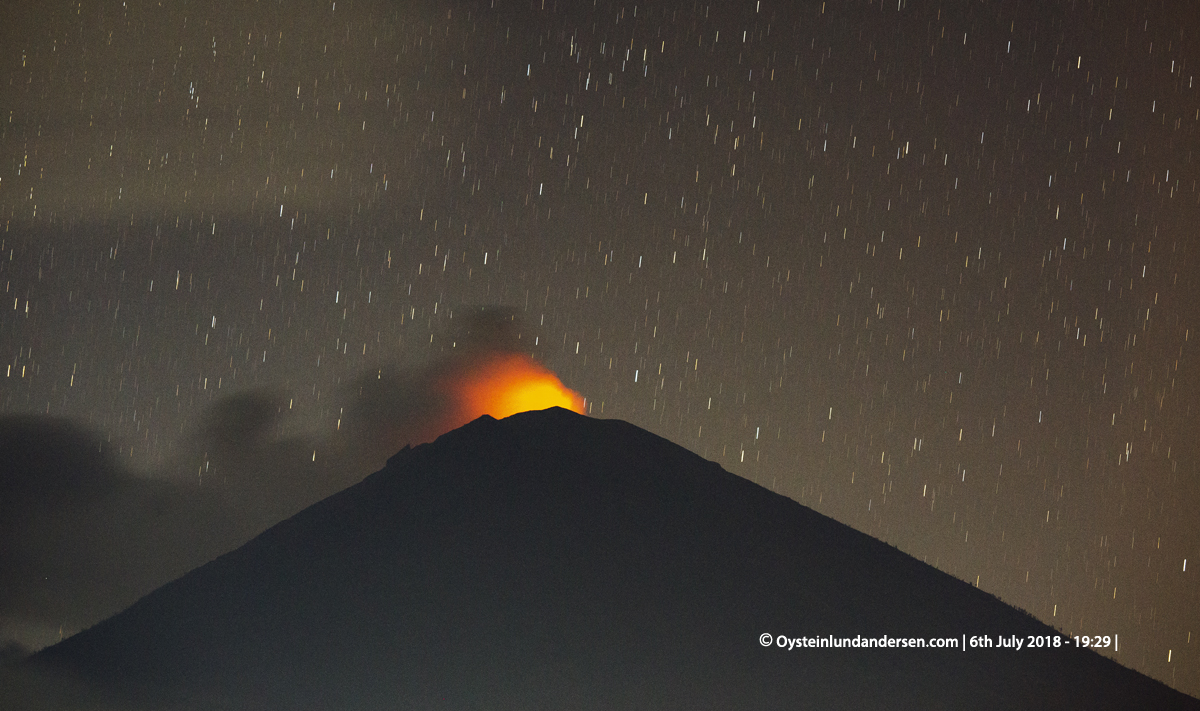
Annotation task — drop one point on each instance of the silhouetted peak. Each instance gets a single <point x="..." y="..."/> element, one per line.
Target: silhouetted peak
<point x="555" y="560"/>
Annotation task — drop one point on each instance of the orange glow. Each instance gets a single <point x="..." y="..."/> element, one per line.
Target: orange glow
<point x="507" y="384"/>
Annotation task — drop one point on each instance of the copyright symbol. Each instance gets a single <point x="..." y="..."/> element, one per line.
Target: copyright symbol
<point x="765" y="639"/>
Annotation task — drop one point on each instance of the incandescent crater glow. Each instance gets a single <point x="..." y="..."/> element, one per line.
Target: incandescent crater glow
<point x="506" y="384"/>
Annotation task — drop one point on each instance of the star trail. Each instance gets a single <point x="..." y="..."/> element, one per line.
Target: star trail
<point x="928" y="268"/>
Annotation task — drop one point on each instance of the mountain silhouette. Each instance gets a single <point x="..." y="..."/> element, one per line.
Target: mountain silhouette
<point x="554" y="561"/>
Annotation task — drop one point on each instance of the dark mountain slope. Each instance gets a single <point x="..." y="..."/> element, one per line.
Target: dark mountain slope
<point x="554" y="561"/>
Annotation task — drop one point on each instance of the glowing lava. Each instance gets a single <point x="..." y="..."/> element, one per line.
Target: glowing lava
<point x="506" y="384"/>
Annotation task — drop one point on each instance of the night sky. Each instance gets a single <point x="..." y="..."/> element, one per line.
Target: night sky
<point x="928" y="268"/>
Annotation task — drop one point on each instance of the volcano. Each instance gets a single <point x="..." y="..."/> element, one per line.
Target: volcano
<point x="553" y="561"/>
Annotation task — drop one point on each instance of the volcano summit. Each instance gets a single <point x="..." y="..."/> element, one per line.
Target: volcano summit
<point x="550" y="560"/>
